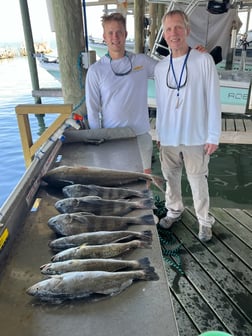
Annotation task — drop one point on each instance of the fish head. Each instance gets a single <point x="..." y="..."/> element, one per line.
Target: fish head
<point x="64" y="205"/>
<point x="47" y="269"/>
<point x="40" y="289"/>
<point x="72" y="189"/>
<point x="59" y="219"/>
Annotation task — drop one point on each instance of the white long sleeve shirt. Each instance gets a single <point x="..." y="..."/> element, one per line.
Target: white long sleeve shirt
<point x="121" y="100"/>
<point x="197" y="119"/>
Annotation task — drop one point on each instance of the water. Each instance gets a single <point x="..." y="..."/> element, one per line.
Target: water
<point x="16" y="88"/>
<point x="230" y="178"/>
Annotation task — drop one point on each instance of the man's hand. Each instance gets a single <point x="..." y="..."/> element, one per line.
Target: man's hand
<point x="210" y="148"/>
<point x="201" y="48"/>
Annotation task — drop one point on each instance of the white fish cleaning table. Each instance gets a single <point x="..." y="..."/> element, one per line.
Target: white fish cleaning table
<point x="143" y="309"/>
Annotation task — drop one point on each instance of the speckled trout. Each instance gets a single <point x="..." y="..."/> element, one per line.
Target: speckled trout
<point x="67" y="175"/>
<point x="98" y="238"/>
<point x="80" y="190"/>
<point x="108" y="265"/>
<point x="94" y="285"/>
<point x="75" y="223"/>
<point x="99" y="251"/>
<point x="100" y="206"/>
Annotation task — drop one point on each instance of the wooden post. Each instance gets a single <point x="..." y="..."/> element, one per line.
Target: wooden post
<point x="139" y="10"/>
<point x="153" y="28"/>
<point x="70" y="43"/>
<point x="161" y="10"/>
<point x="29" y="44"/>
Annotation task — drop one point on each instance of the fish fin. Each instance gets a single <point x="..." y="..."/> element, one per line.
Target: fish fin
<point x="147" y="193"/>
<point x="150" y="274"/>
<point x="146" y="235"/>
<point x="145" y="244"/>
<point x="117" y="288"/>
<point x="147" y="203"/>
<point x="124" y="239"/>
<point x="158" y="182"/>
<point x="148" y="219"/>
<point x="144" y="262"/>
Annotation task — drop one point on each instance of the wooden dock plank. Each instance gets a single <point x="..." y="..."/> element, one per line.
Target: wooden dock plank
<point x="47" y="92"/>
<point x="217" y="284"/>
<point x="232" y="137"/>
<point x="230" y="125"/>
<point x="222" y="253"/>
<point x="235" y="129"/>
<point x="249" y="212"/>
<point x="216" y="266"/>
<point x="234" y="225"/>
<point x="243" y="217"/>
<point x="239" y="125"/>
<point x="248" y="124"/>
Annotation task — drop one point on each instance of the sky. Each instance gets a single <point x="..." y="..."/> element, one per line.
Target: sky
<point x="11" y="28"/>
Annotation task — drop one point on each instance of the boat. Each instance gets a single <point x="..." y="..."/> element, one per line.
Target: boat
<point x="50" y="63"/>
<point x="101" y="48"/>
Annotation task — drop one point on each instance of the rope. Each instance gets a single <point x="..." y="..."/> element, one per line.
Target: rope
<point x="167" y="239"/>
<point x="81" y="83"/>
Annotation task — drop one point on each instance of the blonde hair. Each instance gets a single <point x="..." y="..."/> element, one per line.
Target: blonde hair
<point x="118" y="17"/>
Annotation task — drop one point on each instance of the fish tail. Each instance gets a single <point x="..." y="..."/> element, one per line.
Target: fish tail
<point x="146" y="235"/>
<point x="145" y="243"/>
<point x="147" y="219"/>
<point x="158" y="182"/>
<point x="147" y="193"/>
<point x="144" y="262"/>
<point x="147" y="203"/>
<point x="150" y="274"/>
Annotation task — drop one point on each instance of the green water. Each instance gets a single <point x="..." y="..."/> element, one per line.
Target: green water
<point x="230" y="177"/>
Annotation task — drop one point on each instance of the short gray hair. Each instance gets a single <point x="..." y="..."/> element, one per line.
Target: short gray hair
<point x="177" y="12"/>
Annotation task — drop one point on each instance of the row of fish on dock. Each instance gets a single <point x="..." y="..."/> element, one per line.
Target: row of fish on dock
<point x="92" y="233"/>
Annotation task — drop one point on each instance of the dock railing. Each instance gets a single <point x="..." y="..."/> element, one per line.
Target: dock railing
<point x="29" y="146"/>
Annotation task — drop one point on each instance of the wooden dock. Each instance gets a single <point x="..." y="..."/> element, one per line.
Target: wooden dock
<point x="214" y="293"/>
<point x="236" y="129"/>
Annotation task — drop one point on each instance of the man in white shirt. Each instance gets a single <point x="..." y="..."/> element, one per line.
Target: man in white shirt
<point x="188" y="121"/>
<point x="116" y="87"/>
